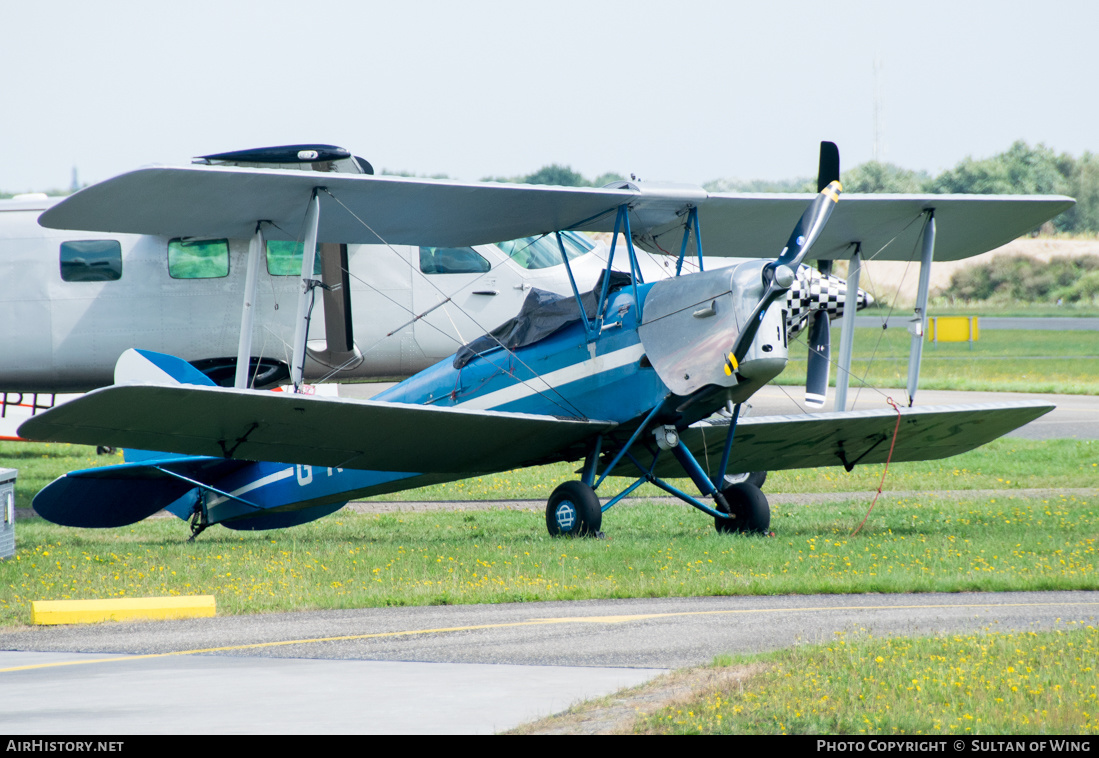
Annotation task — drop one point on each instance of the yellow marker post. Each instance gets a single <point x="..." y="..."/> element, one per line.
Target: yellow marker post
<point x="121" y="609"/>
<point x="953" y="329"/>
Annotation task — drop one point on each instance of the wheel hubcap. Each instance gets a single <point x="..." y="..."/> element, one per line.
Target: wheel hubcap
<point x="566" y="516"/>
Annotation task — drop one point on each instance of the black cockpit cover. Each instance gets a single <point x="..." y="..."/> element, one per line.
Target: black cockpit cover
<point x="543" y="313"/>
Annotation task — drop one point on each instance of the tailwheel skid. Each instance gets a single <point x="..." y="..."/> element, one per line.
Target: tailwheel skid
<point x="199" y="519"/>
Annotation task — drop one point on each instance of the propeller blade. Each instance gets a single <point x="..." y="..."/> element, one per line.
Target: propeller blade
<point x="829" y="167"/>
<point x="820" y="360"/>
<point x="779" y="276"/>
<point x="810" y="225"/>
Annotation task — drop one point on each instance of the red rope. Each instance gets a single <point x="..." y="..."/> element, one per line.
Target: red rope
<point x="887" y="460"/>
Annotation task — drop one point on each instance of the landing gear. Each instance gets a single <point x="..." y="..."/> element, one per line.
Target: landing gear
<point x="754" y="477"/>
<point x="573" y="510"/>
<point x="199" y="521"/>
<point x="748" y="503"/>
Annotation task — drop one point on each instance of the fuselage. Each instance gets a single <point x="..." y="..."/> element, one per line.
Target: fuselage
<point x="569" y="373"/>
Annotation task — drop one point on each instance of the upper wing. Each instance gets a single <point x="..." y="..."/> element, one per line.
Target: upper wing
<point x="774" y="443"/>
<point x="215" y="202"/>
<point x="319" y="431"/>
<point x="887" y="226"/>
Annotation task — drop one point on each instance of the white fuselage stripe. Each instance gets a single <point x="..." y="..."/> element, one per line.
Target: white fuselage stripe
<point x="555" y="379"/>
<point x="278" y="476"/>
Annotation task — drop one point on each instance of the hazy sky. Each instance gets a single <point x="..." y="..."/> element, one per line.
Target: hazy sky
<point x="685" y="91"/>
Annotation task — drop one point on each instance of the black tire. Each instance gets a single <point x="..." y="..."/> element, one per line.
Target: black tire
<point x="573" y="510"/>
<point x="748" y="503"/>
<point x="755" y="477"/>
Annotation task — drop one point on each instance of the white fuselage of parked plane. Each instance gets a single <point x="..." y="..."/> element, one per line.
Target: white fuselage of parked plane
<point x="65" y="336"/>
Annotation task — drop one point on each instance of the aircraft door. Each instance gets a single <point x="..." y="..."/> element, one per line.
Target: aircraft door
<point x="380" y="277"/>
<point x="468" y="291"/>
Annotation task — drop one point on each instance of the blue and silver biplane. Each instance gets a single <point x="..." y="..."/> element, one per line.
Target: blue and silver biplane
<point x="634" y="379"/>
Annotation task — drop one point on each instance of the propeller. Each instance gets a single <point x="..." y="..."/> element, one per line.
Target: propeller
<point x="779" y="275"/>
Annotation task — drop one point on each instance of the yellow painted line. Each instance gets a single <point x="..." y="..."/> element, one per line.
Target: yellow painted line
<point x="535" y="622"/>
<point x="644" y="616"/>
<point x="121" y="609"/>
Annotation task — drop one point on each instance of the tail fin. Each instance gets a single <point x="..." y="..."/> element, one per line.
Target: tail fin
<point x="146" y="367"/>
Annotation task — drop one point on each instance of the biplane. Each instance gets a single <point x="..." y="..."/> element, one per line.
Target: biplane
<point x="630" y="378"/>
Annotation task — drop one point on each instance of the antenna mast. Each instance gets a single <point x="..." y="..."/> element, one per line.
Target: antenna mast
<point x="879" y="114"/>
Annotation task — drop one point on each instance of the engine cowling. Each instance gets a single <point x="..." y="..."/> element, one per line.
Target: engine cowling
<point x="689" y="323"/>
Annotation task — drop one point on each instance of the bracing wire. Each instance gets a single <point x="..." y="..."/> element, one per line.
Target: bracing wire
<point x="861" y="382"/>
<point x="572" y="410"/>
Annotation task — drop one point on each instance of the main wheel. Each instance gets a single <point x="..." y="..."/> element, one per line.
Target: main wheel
<point x="749" y="505"/>
<point x="573" y="510"/>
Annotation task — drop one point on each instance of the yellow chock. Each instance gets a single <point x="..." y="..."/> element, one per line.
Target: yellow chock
<point x="121" y="609"/>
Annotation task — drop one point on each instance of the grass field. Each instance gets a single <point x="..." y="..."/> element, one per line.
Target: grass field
<point x="972" y="684"/>
<point x="1064" y="363"/>
<point x="1008" y="463"/>
<point x="348" y="560"/>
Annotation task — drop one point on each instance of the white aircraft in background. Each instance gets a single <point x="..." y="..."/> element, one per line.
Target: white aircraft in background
<point x="74" y="301"/>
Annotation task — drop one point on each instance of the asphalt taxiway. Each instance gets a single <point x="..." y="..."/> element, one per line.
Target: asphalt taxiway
<point x="438" y="669"/>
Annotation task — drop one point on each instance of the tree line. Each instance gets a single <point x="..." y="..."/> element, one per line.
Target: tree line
<point x="1019" y="170"/>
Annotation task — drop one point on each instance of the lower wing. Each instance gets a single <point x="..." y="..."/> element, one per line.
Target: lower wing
<point x="318" y="431"/>
<point x="774" y="443"/>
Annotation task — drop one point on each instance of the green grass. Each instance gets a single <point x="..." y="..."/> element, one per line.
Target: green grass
<point x="39" y="463"/>
<point x="943" y="307"/>
<point x="1006" y="463"/>
<point x="999" y="361"/>
<point x="349" y="560"/>
<point x="972" y="684"/>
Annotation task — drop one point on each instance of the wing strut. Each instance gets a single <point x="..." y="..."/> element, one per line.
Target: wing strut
<point x="847" y="332"/>
<point x="621" y="223"/>
<point x="309" y="281"/>
<point x="248" y="310"/>
<point x="918" y="325"/>
<point x="692" y="223"/>
<point x="575" y="290"/>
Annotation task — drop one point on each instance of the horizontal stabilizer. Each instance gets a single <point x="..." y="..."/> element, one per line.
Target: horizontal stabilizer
<point x="216" y="202"/>
<point x="112" y="496"/>
<point x="314" y="430"/>
<point x="775" y="443"/>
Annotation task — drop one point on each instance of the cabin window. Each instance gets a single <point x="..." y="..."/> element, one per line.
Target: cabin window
<point x="91" y="261"/>
<point x="284" y="258"/>
<point x="198" y="259"/>
<point x="542" y="252"/>
<point x="452" y="260"/>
